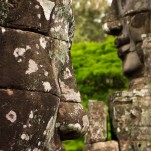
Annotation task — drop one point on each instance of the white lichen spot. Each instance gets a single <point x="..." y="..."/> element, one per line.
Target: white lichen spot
<point x="45" y="132"/>
<point x="25" y="137"/>
<point x="47" y="86"/>
<point x="67" y="74"/>
<point x="37" y="6"/>
<point x="32" y="67"/>
<point x="105" y="27"/>
<point x="20" y="60"/>
<point x="37" y="46"/>
<point x="41" y="66"/>
<point x="57" y="28"/>
<point x="68" y="93"/>
<point x="76" y="127"/>
<point x="19" y="52"/>
<point x="11" y="116"/>
<point x="46" y="73"/>
<point x="39" y="143"/>
<point x="52" y="29"/>
<point x="58" y="125"/>
<point x="39" y="16"/>
<point x="10" y="92"/>
<point x="118" y="130"/>
<point x="29" y="125"/>
<point x="143" y="36"/>
<point x="28" y="47"/>
<point x="47" y="6"/>
<point x="66" y="28"/>
<point x="31" y="115"/>
<point x="24" y="126"/>
<point x="43" y="42"/>
<point x="3" y="30"/>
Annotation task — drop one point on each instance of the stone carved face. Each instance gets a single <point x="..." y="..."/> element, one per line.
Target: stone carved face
<point x="129" y="21"/>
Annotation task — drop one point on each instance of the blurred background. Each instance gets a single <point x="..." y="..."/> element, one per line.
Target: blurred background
<point x="96" y="65"/>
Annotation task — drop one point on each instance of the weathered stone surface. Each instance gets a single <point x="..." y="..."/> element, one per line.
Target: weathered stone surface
<point x="28" y="14"/>
<point x="97" y="114"/>
<point x="72" y="120"/>
<point x="129" y="21"/>
<point x="62" y="65"/>
<point x="27" y="120"/>
<point x="48" y="17"/>
<point x="27" y="54"/>
<point x="147" y="55"/>
<point x="102" y="146"/>
<point x="135" y="145"/>
<point x="62" y="23"/>
<point x="130" y="113"/>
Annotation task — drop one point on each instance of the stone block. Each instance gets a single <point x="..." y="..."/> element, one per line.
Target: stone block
<point x="130" y="113"/>
<point x="102" y="146"/>
<point x="97" y="114"/>
<point x="27" y="120"/>
<point x="38" y="16"/>
<point x="25" y="63"/>
<point x="32" y="15"/>
<point x="61" y="22"/>
<point x="135" y="145"/>
<point x="62" y="65"/>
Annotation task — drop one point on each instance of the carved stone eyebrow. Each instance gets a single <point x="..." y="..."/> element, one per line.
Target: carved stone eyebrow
<point x="133" y="12"/>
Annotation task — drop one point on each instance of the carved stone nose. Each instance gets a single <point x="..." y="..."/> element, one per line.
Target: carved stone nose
<point x="112" y="28"/>
<point x="121" y="40"/>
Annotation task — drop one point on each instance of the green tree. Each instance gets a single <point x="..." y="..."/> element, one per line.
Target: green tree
<point x="89" y="16"/>
<point x="97" y="69"/>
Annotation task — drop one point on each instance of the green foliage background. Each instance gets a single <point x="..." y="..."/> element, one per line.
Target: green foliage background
<point x="98" y="73"/>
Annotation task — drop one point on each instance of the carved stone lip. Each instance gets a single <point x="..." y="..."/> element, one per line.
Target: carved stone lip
<point x="123" y="50"/>
<point x="122" y="43"/>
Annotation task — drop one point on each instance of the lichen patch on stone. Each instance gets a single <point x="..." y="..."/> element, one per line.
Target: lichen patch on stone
<point x="47" y="86"/>
<point x="67" y="74"/>
<point x="10" y="92"/>
<point x="46" y="73"/>
<point x="32" y="67"/>
<point x="68" y="93"/>
<point x="25" y="137"/>
<point x="3" y="30"/>
<point x="11" y="116"/>
<point x="19" y="52"/>
<point x="31" y="115"/>
<point x="43" y="42"/>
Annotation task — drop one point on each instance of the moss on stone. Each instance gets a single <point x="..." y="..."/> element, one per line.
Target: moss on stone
<point x="3" y="12"/>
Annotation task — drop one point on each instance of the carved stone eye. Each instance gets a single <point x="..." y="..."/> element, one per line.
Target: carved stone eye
<point x="138" y="20"/>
